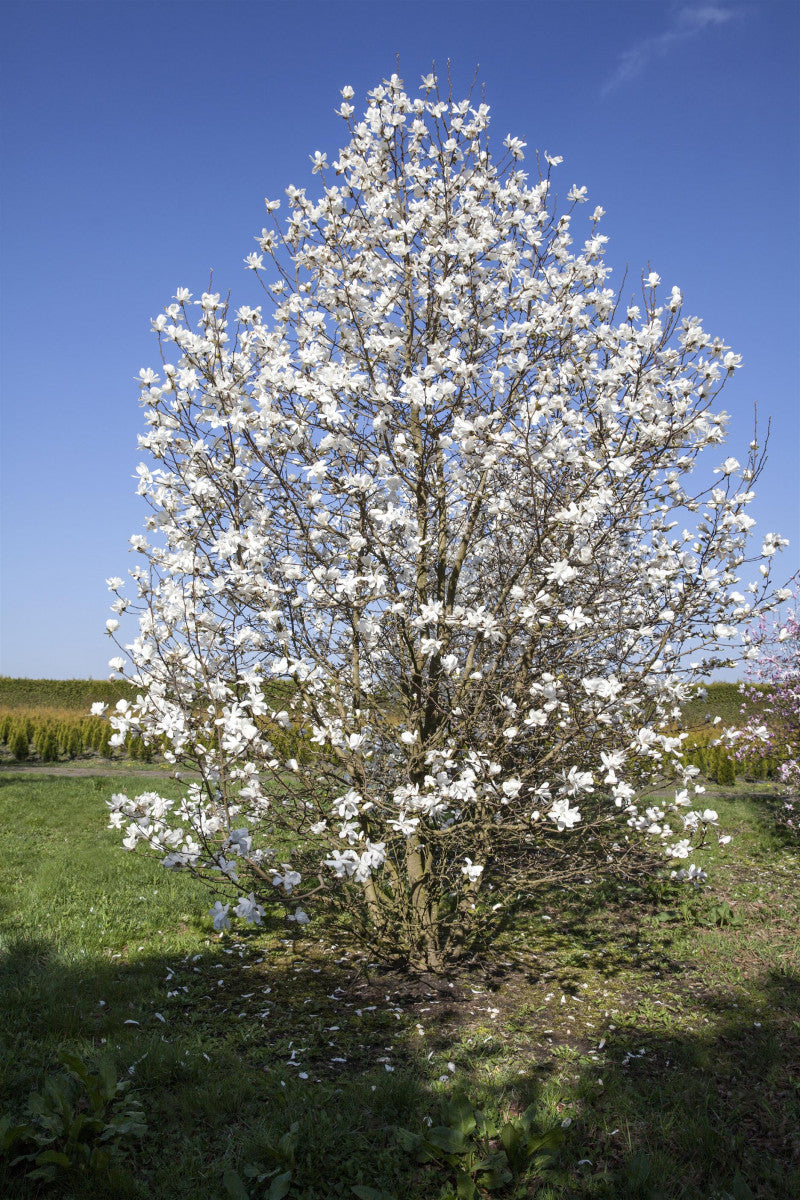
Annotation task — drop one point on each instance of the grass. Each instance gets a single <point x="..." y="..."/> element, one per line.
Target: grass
<point x="658" y="1036"/>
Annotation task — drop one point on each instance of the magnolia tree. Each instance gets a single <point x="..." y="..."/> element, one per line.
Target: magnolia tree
<point x="427" y="548"/>
<point x="773" y="691"/>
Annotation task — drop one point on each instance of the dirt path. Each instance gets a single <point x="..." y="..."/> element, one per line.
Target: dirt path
<point x="77" y="770"/>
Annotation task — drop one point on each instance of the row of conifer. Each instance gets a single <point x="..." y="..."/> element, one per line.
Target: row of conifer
<point x="718" y="765"/>
<point x="50" y="737"/>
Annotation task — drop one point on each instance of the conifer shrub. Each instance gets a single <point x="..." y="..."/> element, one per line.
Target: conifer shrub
<point x="103" y="744"/>
<point x="49" y="748"/>
<point x="19" y="744"/>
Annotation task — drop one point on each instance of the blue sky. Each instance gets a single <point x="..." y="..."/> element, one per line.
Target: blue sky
<point x="139" y="140"/>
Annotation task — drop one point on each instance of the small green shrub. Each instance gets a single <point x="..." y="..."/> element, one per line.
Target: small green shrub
<point x="482" y="1155"/>
<point x="19" y="743"/>
<point x="724" y="769"/>
<point x="104" y="749"/>
<point x="77" y="1123"/>
<point x="273" y="1183"/>
<point x="48" y="751"/>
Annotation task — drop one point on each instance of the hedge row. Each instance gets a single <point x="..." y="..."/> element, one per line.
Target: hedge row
<point x="76" y="695"/>
<point x="719" y="699"/>
<point x="46" y="719"/>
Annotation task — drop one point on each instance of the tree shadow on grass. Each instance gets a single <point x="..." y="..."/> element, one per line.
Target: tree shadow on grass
<point x="712" y="1114"/>
<point x="227" y="1052"/>
<point x="226" y="1049"/>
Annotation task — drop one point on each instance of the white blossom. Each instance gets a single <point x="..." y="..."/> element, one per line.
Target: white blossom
<point x="473" y="871"/>
<point x="564" y="816"/>
<point x="249" y="910"/>
<point x="219" y="913"/>
<point x="409" y="572"/>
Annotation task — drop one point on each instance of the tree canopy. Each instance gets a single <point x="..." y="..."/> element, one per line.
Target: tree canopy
<point x="429" y="542"/>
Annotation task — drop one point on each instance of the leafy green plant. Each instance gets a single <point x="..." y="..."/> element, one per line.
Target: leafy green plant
<point x="73" y="1128"/>
<point x="481" y="1153"/>
<point x="722" y="914"/>
<point x="273" y="1184"/>
<point x="739" y="1191"/>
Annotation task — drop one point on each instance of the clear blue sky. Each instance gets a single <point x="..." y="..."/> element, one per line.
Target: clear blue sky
<point x="139" y="140"/>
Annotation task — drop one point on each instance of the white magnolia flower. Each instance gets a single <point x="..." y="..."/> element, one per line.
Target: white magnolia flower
<point x="473" y="871"/>
<point x="574" y="618"/>
<point x="249" y="910"/>
<point x="576" y="781"/>
<point x="288" y="880"/>
<point x="729" y="466"/>
<point x="563" y="816"/>
<point x="404" y="824"/>
<point x="693" y="875"/>
<point x="560" y="572"/>
<point x="219" y="913"/>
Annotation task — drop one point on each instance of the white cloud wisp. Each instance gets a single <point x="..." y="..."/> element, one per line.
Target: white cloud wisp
<point x="686" y="24"/>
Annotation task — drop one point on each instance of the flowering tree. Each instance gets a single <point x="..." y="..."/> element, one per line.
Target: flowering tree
<point x="426" y="547"/>
<point x="773" y="690"/>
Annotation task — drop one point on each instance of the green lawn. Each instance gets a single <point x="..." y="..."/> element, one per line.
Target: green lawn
<point x="658" y="1033"/>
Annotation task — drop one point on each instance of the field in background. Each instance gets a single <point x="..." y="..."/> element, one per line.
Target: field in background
<point x="47" y="721"/>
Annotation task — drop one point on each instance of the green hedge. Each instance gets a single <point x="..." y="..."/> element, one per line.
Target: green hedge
<point x="78" y="694"/>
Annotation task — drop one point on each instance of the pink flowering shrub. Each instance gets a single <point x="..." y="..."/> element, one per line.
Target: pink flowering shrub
<point x="773" y="688"/>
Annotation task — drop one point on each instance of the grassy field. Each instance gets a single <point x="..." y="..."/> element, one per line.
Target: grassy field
<point x="656" y="1037"/>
